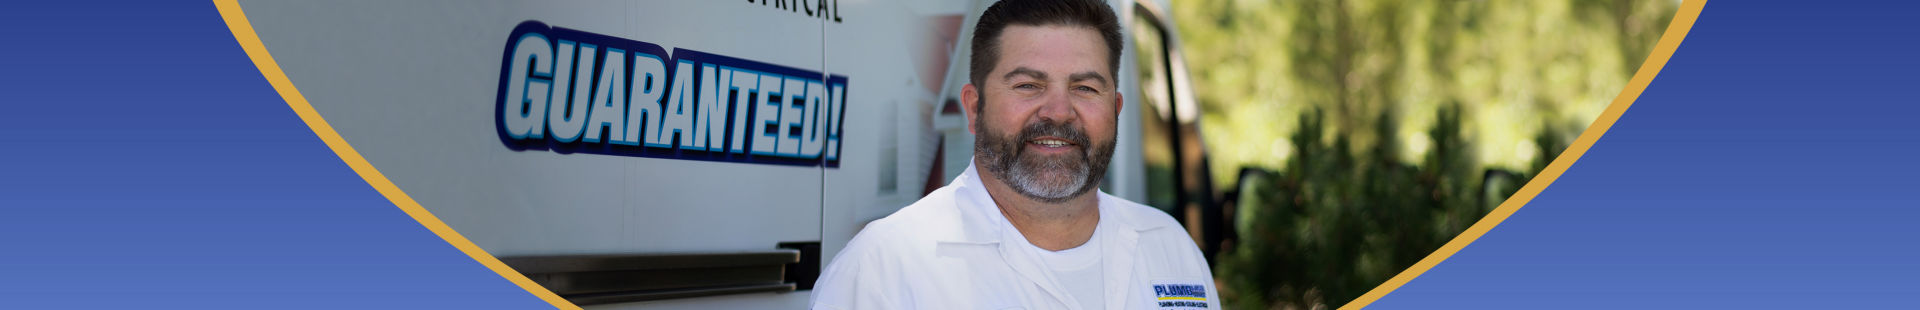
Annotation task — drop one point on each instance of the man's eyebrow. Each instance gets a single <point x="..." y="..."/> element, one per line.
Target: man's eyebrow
<point x="1035" y="74"/>
<point x="1089" y="75"/>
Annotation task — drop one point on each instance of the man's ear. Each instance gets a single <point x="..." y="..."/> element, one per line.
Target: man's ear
<point x="1119" y="102"/>
<point x="970" y="100"/>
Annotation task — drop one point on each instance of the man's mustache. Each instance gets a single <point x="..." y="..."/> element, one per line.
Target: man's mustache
<point x="1055" y="129"/>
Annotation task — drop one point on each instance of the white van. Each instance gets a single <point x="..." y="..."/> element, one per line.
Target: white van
<point x="690" y="154"/>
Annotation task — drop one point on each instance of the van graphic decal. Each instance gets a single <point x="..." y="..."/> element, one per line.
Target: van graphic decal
<point x="570" y="91"/>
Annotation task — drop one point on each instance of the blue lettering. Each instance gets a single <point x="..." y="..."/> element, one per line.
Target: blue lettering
<point x="563" y="90"/>
<point x="523" y="113"/>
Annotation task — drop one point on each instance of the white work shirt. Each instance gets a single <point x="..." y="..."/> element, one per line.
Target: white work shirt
<point x="954" y="250"/>
<point x="1078" y="269"/>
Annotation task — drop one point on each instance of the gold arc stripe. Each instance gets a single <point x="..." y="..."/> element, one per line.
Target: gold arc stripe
<point x="1662" y="51"/>
<point x="243" y="32"/>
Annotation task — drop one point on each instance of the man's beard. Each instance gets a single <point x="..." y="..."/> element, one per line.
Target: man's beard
<point x="1047" y="179"/>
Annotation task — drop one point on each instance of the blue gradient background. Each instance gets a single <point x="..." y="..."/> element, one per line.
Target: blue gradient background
<point x="144" y="162"/>
<point x="1770" y="165"/>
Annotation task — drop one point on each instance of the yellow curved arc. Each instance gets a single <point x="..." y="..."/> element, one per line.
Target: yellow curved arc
<point x="250" y="41"/>
<point x="1669" y="42"/>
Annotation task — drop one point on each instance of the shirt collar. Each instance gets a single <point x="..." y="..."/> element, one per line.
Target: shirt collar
<point x="983" y="220"/>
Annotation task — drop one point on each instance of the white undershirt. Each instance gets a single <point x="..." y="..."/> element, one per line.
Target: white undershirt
<point x="1078" y="270"/>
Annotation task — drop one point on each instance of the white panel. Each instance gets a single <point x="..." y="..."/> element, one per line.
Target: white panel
<point x="412" y="86"/>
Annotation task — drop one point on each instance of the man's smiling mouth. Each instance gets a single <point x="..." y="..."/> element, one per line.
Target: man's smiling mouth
<point x="1051" y="142"/>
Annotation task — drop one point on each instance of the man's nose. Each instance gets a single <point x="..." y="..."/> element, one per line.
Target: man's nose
<point x="1057" y="107"/>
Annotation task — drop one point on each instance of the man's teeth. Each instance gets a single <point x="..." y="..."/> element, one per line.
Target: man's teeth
<point x="1050" y="142"/>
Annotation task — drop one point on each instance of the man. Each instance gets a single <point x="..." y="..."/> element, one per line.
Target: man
<point x="1024" y="226"/>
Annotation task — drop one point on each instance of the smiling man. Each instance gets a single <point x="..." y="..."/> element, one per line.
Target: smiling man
<point x="1026" y="226"/>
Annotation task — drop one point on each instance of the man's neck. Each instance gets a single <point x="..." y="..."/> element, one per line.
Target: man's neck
<point x="1053" y="227"/>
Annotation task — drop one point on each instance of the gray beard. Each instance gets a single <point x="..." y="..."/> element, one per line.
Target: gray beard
<point x="1047" y="179"/>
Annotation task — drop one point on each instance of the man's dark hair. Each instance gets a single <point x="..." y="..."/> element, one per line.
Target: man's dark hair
<point x="1085" y="13"/>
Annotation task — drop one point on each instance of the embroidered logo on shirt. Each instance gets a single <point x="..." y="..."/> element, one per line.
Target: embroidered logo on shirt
<point x="1172" y="295"/>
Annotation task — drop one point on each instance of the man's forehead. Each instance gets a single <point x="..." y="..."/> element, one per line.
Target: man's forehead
<point x="1056" y="51"/>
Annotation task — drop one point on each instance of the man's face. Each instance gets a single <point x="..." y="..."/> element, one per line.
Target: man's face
<point x="1045" y="116"/>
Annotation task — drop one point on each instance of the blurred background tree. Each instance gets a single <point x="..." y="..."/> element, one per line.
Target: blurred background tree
<point x="1384" y="128"/>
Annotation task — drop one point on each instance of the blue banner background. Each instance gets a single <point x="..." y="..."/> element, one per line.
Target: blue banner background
<point x="1770" y="165"/>
<point x="144" y="162"/>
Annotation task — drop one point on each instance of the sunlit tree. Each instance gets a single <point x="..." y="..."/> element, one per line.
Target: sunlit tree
<point x="1389" y="126"/>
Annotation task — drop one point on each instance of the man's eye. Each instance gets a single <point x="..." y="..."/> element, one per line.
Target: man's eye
<point x="1027" y="86"/>
<point x="1086" y="89"/>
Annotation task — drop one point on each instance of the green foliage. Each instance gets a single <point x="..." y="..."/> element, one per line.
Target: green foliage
<point x="1337" y="224"/>
<point x="1388" y="127"/>
<point x="1513" y="65"/>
